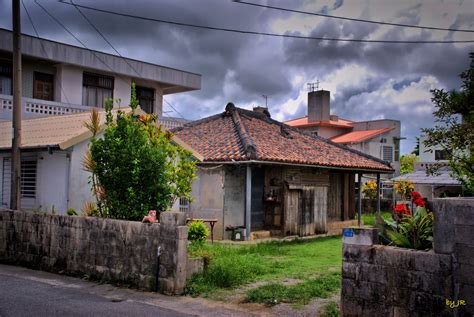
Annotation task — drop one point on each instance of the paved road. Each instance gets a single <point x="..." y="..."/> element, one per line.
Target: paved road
<point x="26" y="292"/>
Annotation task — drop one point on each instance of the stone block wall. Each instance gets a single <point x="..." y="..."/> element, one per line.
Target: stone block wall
<point x="454" y="235"/>
<point x="389" y="281"/>
<point x="382" y="280"/>
<point x="111" y="250"/>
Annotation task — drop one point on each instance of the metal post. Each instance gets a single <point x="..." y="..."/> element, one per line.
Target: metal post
<point x="248" y="201"/>
<point x="379" y="191"/>
<point x="15" y="200"/>
<point x="359" y="199"/>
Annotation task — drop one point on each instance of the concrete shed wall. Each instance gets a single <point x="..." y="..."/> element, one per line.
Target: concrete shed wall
<point x="208" y="198"/>
<point x="79" y="187"/>
<point x="234" y="199"/>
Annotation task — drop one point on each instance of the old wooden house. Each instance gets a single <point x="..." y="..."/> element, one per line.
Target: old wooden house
<point x="263" y="175"/>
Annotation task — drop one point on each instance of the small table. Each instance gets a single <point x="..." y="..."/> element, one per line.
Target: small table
<point x="211" y="222"/>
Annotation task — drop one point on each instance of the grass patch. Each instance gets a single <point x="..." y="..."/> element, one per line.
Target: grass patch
<point x="331" y="309"/>
<point x="369" y="219"/>
<point x="232" y="266"/>
<point x="301" y="293"/>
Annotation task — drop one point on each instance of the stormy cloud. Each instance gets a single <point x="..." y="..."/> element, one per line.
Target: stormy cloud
<point x="366" y="80"/>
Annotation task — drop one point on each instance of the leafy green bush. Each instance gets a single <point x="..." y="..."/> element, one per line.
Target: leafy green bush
<point x="71" y="212"/>
<point x="197" y="231"/>
<point x="135" y="166"/>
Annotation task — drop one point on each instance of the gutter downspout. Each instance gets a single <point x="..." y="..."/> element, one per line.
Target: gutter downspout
<point x="68" y="177"/>
<point x="248" y="201"/>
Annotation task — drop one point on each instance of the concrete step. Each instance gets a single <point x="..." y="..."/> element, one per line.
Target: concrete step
<point x="261" y="234"/>
<point x="341" y="224"/>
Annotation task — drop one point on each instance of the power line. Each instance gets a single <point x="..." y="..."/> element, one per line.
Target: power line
<point x="352" y="19"/>
<point x="111" y="45"/>
<point x="118" y="53"/>
<point x="262" y="33"/>
<point x="42" y="45"/>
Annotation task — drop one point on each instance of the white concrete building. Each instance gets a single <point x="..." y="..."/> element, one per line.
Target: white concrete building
<point x="60" y="79"/>
<point x="378" y="138"/>
<point x="53" y="149"/>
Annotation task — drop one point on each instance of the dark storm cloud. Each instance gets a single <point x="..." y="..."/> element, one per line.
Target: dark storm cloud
<point x="240" y="68"/>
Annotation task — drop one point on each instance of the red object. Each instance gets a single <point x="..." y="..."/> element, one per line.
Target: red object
<point x="417" y="199"/>
<point x="401" y="209"/>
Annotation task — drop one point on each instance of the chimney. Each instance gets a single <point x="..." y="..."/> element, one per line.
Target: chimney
<point x="263" y="110"/>
<point x="318" y="106"/>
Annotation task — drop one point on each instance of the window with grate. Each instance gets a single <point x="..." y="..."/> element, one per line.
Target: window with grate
<point x="387" y="153"/>
<point x="184" y="204"/>
<point x="28" y="180"/>
<point x="96" y="88"/>
<point x="6" y="72"/>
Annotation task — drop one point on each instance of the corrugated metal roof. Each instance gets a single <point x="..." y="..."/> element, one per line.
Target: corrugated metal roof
<point x="61" y="131"/>
<point x="420" y="177"/>
<point x="358" y="136"/>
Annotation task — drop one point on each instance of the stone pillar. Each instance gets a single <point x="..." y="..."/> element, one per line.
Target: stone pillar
<point x="174" y="255"/>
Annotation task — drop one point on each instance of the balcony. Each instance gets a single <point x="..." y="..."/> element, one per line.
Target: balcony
<point x="35" y="108"/>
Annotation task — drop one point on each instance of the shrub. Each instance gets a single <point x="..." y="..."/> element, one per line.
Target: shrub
<point x="197" y="232"/>
<point x="71" y="212"/>
<point x="135" y="165"/>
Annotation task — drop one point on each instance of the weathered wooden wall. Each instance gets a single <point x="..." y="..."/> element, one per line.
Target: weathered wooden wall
<point x="341" y="196"/>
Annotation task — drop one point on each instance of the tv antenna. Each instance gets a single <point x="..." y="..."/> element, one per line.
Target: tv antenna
<point x="266" y="100"/>
<point x="313" y="86"/>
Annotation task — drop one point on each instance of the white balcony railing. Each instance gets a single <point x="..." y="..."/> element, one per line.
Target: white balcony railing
<point x="34" y="108"/>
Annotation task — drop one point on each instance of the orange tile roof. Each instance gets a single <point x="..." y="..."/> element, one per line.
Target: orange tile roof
<point x="301" y="122"/>
<point x="243" y="135"/>
<point x="358" y="136"/>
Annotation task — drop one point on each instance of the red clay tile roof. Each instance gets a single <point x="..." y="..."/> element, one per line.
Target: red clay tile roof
<point x="243" y="135"/>
<point x="302" y="122"/>
<point x="358" y="136"/>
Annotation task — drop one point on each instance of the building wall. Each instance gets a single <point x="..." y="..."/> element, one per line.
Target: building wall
<point x="325" y="132"/>
<point x="52" y="182"/>
<point x="234" y="198"/>
<point x="208" y="198"/>
<point x="79" y="191"/>
<point x="29" y="68"/>
<point x="68" y="84"/>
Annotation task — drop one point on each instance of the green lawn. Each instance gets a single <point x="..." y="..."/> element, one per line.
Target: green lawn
<point x="369" y="219"/>
<point x="272" y="272"/>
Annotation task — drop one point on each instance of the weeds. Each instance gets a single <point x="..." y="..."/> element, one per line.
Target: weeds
<point x="301" y="293"/>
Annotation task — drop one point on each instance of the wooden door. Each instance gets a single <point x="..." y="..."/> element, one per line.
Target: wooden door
<point x="320" y="209"/>
<point x="43" y="86"/>
<point x="313" y="214"/>
<point x="292" y="210"/>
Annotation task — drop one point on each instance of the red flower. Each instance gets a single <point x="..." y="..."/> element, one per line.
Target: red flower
<point x="401" y="209"/>
<point x="417" y="199"/>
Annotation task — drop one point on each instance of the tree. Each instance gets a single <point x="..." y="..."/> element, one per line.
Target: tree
<point x="416" y="150"/>
<point x="454" y="129"/>
<point x="407" y="163"/>
<point x="135" y="166"/>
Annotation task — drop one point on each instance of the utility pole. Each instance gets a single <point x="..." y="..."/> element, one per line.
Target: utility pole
<point x="15" y="200"/>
